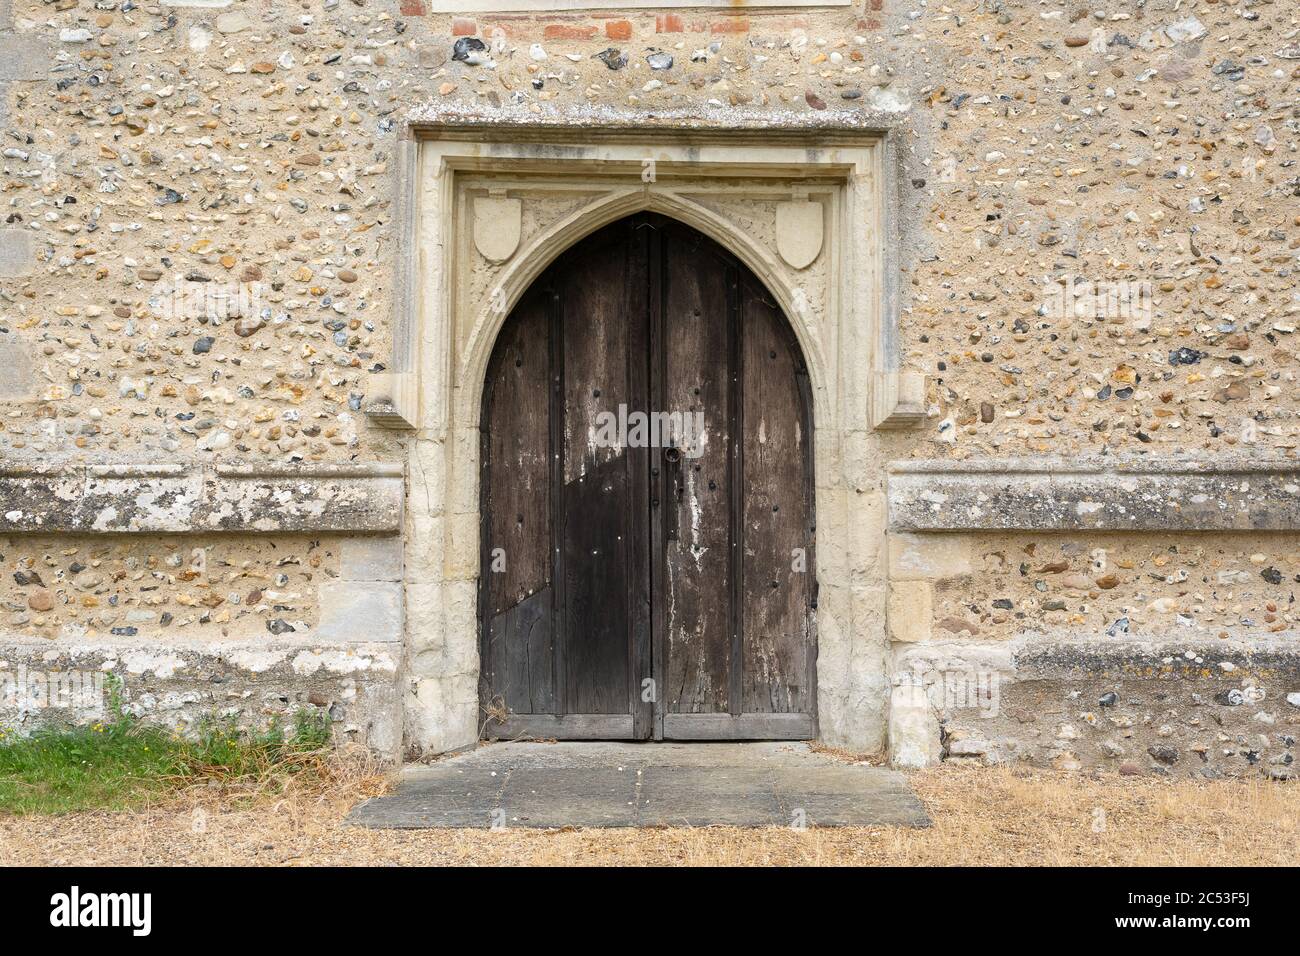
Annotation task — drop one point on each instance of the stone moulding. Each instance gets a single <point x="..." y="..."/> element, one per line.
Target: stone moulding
<point x="1070" y="657"/>
<point x="53" y="498"/>
<point x="726" y="174"/>
<point x="1159" y="660"/>
<point x="1169" y="495"/>
<point x="698" y="174"/>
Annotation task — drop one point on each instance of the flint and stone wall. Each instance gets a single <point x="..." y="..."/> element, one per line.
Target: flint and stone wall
<point x="1154" y="635"/>
<point x="1099" y="508"/>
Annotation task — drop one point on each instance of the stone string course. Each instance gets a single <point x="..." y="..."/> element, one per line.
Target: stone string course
<point x="1083" y="495"/>
<point x="173" y="499"/>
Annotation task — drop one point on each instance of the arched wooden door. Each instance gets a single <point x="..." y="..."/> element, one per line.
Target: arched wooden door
<point x="645" y="576"/>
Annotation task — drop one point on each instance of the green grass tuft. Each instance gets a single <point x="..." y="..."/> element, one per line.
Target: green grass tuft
<point x="122" y="763"/>
<point x="105" y="766"/>
<point x="223" y="751"/>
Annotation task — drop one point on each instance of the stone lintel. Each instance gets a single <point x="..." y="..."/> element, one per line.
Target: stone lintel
<point x="1170" y="495"/>
<point x="53" y="498"/>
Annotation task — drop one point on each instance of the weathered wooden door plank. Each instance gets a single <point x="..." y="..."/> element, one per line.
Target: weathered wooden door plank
<point x="515" y="592"/>
<point x="697" y="483"/>
<point x="652" y="244"/>
<point x="555" y="463"/>
<point x="776" y="515"/>
<point x="742" y="727"/>
<point x="598" y="506"/>
<point x="565" y="727"/>
<point x="680" y="565"/>
<point x="736" y="460"/>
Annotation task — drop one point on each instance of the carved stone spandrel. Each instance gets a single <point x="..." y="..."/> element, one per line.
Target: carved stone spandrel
<point x="799" y="232"/>
<point x="497" y="225"/>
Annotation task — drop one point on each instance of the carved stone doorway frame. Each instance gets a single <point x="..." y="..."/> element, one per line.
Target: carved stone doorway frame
<point x="488" y="207"/>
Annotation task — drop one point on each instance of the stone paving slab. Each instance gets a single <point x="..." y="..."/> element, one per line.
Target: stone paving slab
<point x="565" y="796"/>
<point x="701" y="797"/>
<point x="650" y="784"/>
<point x="459" y="800"/>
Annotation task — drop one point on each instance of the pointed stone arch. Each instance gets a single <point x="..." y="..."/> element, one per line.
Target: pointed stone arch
<point x="534" y="258"/>
<point x="571" y="182"/>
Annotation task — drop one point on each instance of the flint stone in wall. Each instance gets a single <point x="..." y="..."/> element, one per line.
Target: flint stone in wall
<point x="177" y="500"/>
<point x="1192" y="708"/>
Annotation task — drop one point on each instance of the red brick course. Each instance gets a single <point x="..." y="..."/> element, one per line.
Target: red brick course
<point x="669" y="23"/>
<point x="618" y="30"/>
<point x="568" y="31"/>
<point x="730" y="25"/>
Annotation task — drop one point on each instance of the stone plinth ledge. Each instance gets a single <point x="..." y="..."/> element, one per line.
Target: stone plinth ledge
<point x="1056" y="494"/>
<point x="183" y="498"/>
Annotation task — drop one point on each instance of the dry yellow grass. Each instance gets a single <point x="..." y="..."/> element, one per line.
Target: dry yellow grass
<point x="981" y="817"/>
